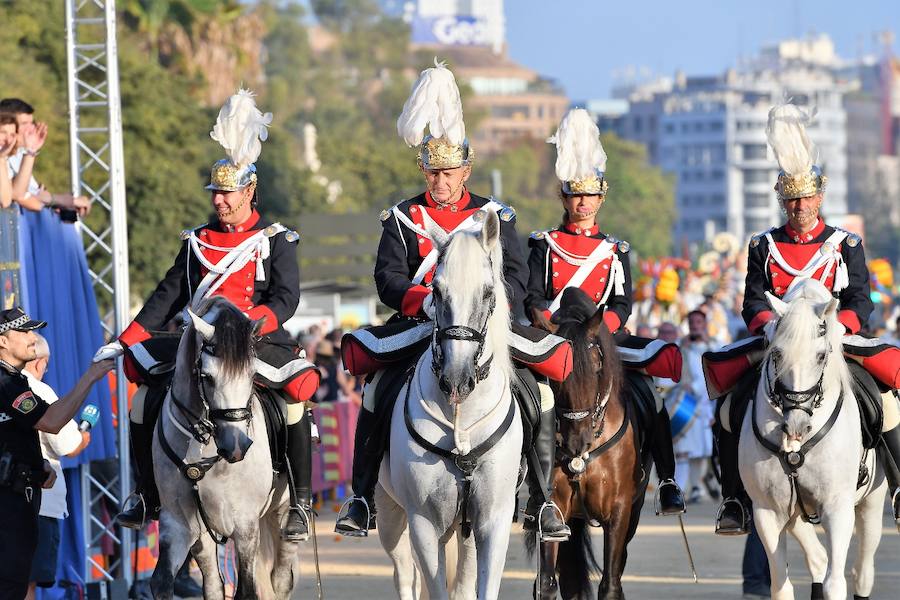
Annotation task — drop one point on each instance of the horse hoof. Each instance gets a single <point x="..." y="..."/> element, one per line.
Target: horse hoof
<point x="818" y="592"/>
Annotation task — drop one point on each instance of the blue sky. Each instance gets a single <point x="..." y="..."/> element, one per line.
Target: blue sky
<point x="581" y="43"/>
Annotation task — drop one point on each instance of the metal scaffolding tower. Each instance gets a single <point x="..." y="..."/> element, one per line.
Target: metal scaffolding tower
<point x="98" y="172"/>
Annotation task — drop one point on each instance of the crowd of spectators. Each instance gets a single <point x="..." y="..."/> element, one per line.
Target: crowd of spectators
<point x="21" y="141"/>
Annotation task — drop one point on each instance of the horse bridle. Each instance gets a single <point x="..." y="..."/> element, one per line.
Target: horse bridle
<point x="466" y="334"/>
<point x="599" y="410"/>
<point x="203" y="425"/>
<point x="785" y="399"/>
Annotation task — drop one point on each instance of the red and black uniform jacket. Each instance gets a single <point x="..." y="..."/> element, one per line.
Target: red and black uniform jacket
<point x="549" y="272"/>
<point x="274" y="298"/>
<point x="401" y="251"/>
<point x="764" y="274"/>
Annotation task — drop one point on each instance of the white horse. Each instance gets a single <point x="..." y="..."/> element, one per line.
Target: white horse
<point x="801" y="449"/>
<point x="237" y="495"/>
<point x="455" y="416"/>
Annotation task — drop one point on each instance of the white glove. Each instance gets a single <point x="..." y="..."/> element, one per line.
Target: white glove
<point x="110" y="350"/>
<point x="428" y="305"/>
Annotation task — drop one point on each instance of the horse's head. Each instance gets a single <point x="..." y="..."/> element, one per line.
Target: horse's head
<point x="471" y="311"/>
<point x="222" y="342"/>
<point x="804" y="357"/>
<point x="596" y="374"/>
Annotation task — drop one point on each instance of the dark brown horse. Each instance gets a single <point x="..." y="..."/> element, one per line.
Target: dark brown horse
<point x="600" y="476"/>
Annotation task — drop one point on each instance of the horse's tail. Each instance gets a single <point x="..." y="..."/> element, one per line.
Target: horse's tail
<point x="576" y="560"/>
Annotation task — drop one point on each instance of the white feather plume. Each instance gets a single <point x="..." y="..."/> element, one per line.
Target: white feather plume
<point x="240" y="128"/>
<point x="786" y="132"/>
<point x="434" y="103"/>
<point x="579" y="152"/>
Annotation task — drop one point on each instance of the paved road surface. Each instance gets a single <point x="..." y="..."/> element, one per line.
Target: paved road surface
<point x="657" y="566"/>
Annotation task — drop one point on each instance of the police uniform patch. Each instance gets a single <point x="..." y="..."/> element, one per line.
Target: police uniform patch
<point x="385" y="214"/>
<point x="853" y="240"/>
<point x="507" y="214"/>
<point x="754" y="241"/>
<point x="25" y="403"/>
<point x="291" y="236"/>
<point x="270" y="230"/>
<point x="537" y="235"/>
<point x="185" y="234"/>
<point x="624" y="246"/>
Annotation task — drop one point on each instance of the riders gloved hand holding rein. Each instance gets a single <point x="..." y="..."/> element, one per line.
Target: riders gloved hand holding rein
<point x="577" y="254"/>
<point x="253" y="263"/>
<point x="804" y="247"/>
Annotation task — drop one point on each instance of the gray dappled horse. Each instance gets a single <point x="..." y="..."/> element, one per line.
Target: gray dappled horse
<point x="218" y="478"/>
<point x="801" y="449"/>
<point x="456" y="414"/>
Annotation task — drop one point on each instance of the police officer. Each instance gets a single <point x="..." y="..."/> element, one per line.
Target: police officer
<point x="251" y="262"/>
<point x="406" y="261"/>
<point x="577" y="253"/>
<point x="23" y="470"/>
<point x="804" y="247"/>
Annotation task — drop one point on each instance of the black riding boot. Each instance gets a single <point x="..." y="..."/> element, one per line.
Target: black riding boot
<point x="670" y="500"/>
<point x="733" y="517"/>
<point x="892" y="443"/>
<point x="299" y="451"/>
<point x="360" y="514"/>
<point x="540" y="507"/>
<point x="147" y="505"/>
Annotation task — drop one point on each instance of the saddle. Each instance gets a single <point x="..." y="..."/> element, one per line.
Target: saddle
<point x="274" y="409"/>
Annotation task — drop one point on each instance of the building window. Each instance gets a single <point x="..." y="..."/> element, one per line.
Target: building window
<point x="717" y="174"/>
<point x="754" y="151"/>
<point x="755" y="225"/>
<point x="638" y="125"/>
<point x="757" y="176"/>
<point x="757" y="200"/>
<point x="716" y="126"/>
<point x="670" y="128"/>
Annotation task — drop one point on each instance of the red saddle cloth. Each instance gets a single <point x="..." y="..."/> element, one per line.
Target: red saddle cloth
<point x="371" y="349"/>
<point x="723" y="368"/>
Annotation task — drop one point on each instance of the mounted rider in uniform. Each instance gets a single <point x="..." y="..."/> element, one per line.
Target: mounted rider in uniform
<point x="403" y="271"/>
<point x="577" y="254"/>
<point x="251" y="262"/>
<point x="803" y="248"/>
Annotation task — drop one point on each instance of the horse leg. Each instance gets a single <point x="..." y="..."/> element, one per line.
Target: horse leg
<point x="547" y="585"/>
<point x="174" y="540"/>
<point x="813" y="550"/>
<point x="394" y="537"/>
<point x="615" y="534"/>
<point x="464" y="577"/>
<point x="837" y="520"/>
<point x="868" y="532"/>
<point x="492" y="541"/>
<point x="246" y="545"/>
<point x="771" y="533"/>
<point x="205" y="553"/>
<point x="430" y="555"/>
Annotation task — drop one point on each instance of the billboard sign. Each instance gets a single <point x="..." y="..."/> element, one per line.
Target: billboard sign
<point x="450" y="31"/>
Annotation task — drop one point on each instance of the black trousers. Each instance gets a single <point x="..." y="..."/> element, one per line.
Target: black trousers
<point x="18" y="541"/>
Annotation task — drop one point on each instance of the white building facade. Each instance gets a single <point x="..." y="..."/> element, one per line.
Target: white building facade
<point x="710" y="133"/>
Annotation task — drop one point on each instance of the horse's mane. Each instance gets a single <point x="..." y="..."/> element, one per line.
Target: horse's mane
<point x="234" y="336"/>
<point x="458" y="257"/>
<point x="572" y="318"/>
<point x="797" y="327"/>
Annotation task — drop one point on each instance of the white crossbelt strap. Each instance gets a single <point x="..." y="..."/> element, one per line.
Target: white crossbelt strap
<point x="468" y="224"/>
<point x="236" y="258"/>
<point x="586" y="266"/>
<point x="828" y="256"/>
